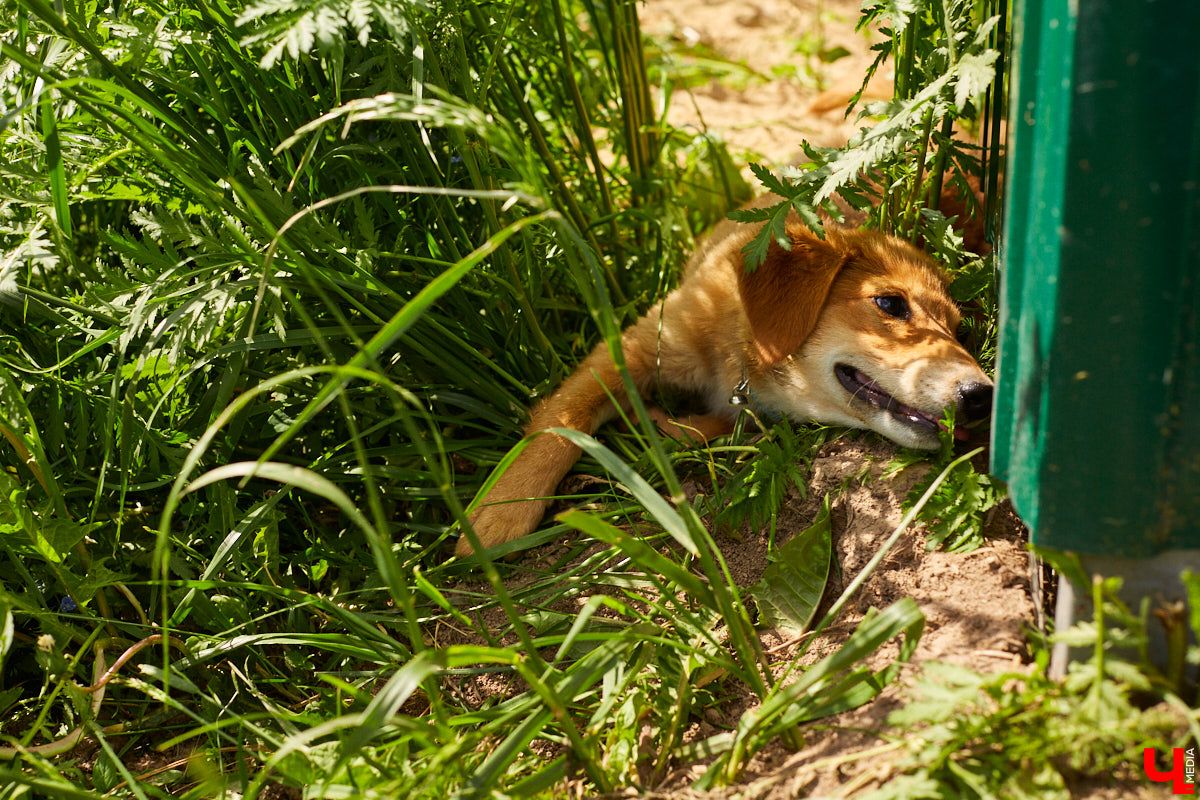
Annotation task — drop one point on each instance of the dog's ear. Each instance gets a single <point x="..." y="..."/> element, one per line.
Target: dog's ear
<point x="783" y="297"/>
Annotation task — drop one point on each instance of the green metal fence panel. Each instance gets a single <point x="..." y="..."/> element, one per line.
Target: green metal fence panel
<point x="1097" y="423"/>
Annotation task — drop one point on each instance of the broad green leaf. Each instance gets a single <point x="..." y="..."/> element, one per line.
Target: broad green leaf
<point x="792" y="585"/>
<point x="54" y="164"/>
<point x="175" y="680"/>
<point x="55" y="537"/>
<point x="98" y="576"/>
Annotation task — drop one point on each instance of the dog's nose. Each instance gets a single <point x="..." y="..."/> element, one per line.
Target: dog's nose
<point x="975" y="400"/>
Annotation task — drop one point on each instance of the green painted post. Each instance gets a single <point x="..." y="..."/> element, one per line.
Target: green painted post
<point x="1097" y="422"/>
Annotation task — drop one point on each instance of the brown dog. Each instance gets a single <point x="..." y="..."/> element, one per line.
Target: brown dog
<point x="856" y="329"/>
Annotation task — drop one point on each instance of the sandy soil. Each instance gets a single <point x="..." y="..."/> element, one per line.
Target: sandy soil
<point x="796" y="96"/>
<point x="975" y="605"/>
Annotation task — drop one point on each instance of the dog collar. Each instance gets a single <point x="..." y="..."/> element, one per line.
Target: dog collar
<point x="741" y="393"/>
<point x="744" y="397"/>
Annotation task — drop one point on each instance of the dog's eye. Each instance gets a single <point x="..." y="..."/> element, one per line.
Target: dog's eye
<point x="893" y="305"/>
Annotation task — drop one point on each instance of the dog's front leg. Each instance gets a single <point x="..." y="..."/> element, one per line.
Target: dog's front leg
<point x="698" y="428"/>
<point x="516" y="504"/>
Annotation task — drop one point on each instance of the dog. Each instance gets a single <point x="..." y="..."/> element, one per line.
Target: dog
<point x="856" y="328"/>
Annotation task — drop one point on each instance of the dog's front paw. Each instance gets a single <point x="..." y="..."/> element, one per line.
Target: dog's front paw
<point x="695" y="428"/>
<point x="498" y="523"/>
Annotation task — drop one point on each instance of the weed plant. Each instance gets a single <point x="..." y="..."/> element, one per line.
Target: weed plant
<point x="278" y="281"/>
<point x="955" y="515"/>
<point x="1017" y="734"/>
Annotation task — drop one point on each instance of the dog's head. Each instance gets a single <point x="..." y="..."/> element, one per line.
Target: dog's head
<point x="858" y="329"/>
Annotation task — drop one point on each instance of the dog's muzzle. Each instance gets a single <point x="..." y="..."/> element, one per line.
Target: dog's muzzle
<point x="974" y="400"/>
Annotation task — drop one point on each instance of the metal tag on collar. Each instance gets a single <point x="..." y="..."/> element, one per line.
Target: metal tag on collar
<point x="741" y="393"/>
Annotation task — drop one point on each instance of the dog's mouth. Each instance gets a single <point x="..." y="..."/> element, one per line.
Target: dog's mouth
<point x="862" y="387"/>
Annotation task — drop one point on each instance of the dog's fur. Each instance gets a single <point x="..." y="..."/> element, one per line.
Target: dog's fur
<point x="813" y="330"/>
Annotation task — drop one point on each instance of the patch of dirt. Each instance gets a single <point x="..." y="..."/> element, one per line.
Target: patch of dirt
<point x="785" y="92"/>
<point x="975" y="605"/>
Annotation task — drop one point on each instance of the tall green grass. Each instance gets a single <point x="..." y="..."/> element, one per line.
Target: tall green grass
<point x="278" y="283"/>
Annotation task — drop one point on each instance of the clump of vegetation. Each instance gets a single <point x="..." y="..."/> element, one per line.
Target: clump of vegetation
<point x="751" y="480"/>
<point x="966" y="735"/>
<point x="945" y="57"/>
<point x="277" y="282"/>
<point x="954" y="516"/>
